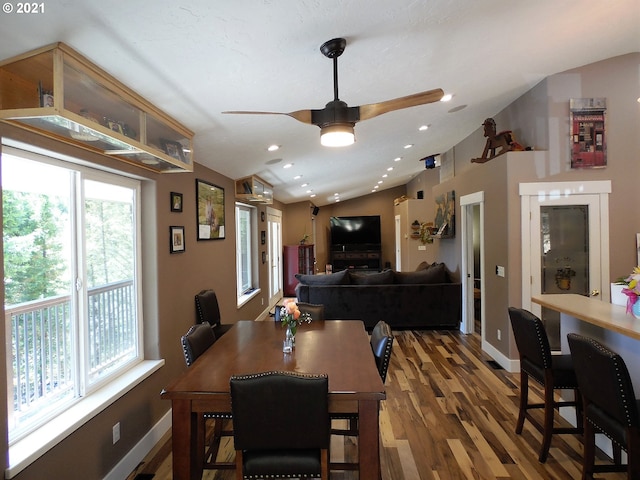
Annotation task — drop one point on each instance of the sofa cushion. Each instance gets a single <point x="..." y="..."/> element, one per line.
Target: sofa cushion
<point x="338" y="278"/>
<point x="381" y="278"/>
<point x="434" y="274"/>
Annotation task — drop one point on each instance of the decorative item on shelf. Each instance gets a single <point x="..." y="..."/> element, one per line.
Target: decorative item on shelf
<point x="415" y="225"/>
<point x="303" y="240"/>
<point x="291" y="317"/>
<point x="632" y="291"/>
<point x="504" y="141"/>
<point x="427" y="230"/>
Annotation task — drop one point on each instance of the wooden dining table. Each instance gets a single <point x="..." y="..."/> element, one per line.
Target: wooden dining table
<point x="339" y="348"/>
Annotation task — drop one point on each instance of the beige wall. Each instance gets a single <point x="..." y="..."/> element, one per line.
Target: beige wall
<point x="297" y="219"/>
<point x="539" y="119"/>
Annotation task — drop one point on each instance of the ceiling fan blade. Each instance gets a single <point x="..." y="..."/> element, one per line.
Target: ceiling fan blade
<point x="374" y="109"/>
<point x="303" y="116"/>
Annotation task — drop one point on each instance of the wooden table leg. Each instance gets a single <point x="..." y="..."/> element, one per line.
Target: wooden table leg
<point x="185" y="433"/>
<point x="368" y="440"/>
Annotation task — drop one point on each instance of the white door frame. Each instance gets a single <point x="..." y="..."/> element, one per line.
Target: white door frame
<point x="555" y="191"/>
<point x="398" y="232"/>
<point x="274" y="256"/>
<point x="467" y="202"/>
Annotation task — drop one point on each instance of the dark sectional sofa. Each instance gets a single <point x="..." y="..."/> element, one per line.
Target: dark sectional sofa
<point x="424" y="299"/>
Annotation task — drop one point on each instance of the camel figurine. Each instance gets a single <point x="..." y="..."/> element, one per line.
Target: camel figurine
<point x="503" y="141"/>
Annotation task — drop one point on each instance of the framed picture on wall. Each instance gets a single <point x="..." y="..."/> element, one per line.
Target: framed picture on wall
<point x="210" y="210"/>
<point x="176" y="202"/>
<point x="588" y="136"/>
<point x="176" y="239"/>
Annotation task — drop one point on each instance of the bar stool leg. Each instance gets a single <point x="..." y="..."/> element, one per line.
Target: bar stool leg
<point x="589" y="451"/>
<point x="524" y="394"/>
<point x="548" y="421"/>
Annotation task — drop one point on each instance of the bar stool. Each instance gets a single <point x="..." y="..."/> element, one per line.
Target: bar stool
<point x="551" y="371"/>
<point x="610" y="405"/>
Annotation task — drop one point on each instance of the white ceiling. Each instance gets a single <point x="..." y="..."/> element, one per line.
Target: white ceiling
<point x="195" y="59"/>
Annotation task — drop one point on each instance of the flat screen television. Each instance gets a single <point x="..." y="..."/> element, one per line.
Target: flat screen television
<point x="363" y="230"/>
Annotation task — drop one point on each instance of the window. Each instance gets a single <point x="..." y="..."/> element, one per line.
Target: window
<point x="72" y="264"/>
<point x="246" y="252"/>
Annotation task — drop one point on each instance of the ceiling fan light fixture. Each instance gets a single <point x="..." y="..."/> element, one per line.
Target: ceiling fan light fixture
<point x="337" y="135"/>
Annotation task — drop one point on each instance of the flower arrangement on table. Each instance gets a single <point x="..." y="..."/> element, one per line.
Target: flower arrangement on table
<point x="631" y="289"/>
<point x="291" y="316"/>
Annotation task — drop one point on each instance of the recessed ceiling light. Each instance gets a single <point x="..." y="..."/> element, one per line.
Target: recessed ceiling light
<point x="379" y="182"/>
<point x="389" y="169"/>
<point x="336" y="194"/>
<point x="377" y="186"/>
<point x="385" y="175"/>
<point x="309" y="191"/>
<point x="446" y="98"/>
<point x="304" y="185"/>
<point x="423" y="128"/>
<point x="287" y="165"/>
<point x="409" y="145"/>
<point x="273" y="148"/>
<point x="297" y="177"/>
<point x="312" y="195"/>
<point x="397" y="159"/>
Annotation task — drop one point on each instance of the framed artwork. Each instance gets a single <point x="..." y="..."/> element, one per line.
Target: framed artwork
<point x="588" y="141"/>
<point x="176" y="202"/>
<point x="176" y="239"/>
<point x="445" y="215"/>
<point x="173" y="149"/>
<point x="210" y="210"/>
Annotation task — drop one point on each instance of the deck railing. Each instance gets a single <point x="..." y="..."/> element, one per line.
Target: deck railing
<point x="43" y="345"/>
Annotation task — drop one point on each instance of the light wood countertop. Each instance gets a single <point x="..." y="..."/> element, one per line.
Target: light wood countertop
<point x="603" y="314"/>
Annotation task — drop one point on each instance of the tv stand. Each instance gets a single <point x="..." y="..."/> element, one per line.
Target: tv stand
<point x="356" y="257"/>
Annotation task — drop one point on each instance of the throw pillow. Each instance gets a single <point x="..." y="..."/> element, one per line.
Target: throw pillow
<point x="433" y="274"/>
<point x="338" y="278"/>
<point x="381" y="278"/>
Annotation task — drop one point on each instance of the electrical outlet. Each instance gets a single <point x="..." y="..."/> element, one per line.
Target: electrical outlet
<point x="499" y="334"/>
<point x="116" y="433"/>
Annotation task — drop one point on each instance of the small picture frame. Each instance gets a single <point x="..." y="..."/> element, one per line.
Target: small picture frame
<point x="176" y="202"/>
<point x="176" y="239"/>
<point x="173" y="149"/>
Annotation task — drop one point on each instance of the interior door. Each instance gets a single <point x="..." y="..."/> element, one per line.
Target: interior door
<point x="274" y="227"/>
<point x="568" y="251"/>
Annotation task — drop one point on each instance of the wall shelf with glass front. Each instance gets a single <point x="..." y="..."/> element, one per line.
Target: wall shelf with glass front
<point x="254" y="189"/>
<point x="55" y="91"/>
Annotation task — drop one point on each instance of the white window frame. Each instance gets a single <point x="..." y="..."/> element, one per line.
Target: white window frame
<point x="244" y="295"/>
<point x="92" y="401"/>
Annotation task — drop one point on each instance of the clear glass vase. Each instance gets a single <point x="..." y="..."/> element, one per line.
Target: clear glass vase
<point x="289" y="340"/>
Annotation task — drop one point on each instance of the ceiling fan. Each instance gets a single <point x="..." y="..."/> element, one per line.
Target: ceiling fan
<point x="337" y="120"/>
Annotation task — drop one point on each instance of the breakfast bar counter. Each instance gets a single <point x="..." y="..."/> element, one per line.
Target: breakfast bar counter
<point x="607" y="323"/>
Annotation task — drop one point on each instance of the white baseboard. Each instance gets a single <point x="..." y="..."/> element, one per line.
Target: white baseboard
<point x="132" y="459"/>
<point x="510" y="365"/>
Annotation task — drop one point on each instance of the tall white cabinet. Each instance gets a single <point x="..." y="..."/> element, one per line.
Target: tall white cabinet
<point x="409" y="250"/>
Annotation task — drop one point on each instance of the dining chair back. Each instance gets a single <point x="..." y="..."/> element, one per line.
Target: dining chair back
<point x="551" y="371"/>
<point x="316" y="311"/>
<point x="381" y="344"/>
<point x="610" y="405"/>
<point x="208" y="310"/>
<point x="195" y="342"/>
<point x="281" y="425"/>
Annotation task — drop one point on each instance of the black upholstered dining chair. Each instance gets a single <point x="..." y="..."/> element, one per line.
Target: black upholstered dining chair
<point x="281" y="425"/>
<point x="195" y="342"/>
<point x="208" y="310"/>
<point x="551" y="371"/>
<point x="610" y="406"/>
<point x="315" y="310"/>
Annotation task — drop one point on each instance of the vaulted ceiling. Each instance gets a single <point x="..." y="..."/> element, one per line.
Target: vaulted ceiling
<point x="199" y="58"/>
